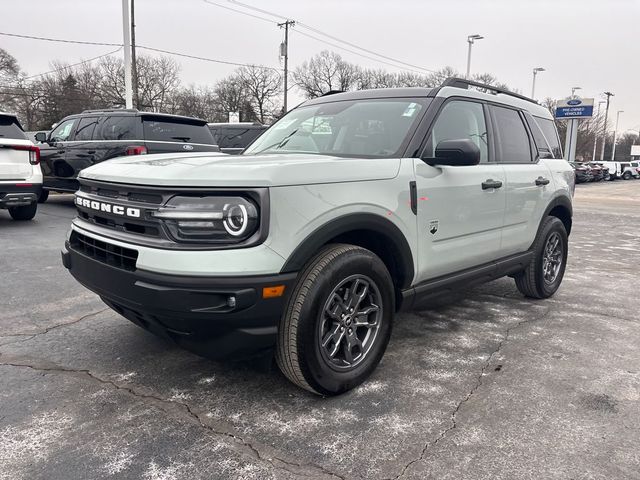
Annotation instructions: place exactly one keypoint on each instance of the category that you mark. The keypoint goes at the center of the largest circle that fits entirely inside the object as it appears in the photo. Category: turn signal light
(273, 292)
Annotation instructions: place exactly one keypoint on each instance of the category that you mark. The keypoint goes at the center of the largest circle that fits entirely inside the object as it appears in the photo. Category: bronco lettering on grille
(108, 208)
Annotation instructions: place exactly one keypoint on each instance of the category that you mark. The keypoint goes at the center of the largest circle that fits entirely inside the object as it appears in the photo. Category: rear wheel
(337, 324)
(23, 213)
(544, 274)
(44, 194)
(626, 175)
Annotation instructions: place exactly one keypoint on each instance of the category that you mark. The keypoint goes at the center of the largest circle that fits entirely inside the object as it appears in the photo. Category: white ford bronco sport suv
(351, 207)
(20, 174)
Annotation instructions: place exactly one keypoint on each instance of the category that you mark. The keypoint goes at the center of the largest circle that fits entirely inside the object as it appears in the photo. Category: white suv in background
(20, 174)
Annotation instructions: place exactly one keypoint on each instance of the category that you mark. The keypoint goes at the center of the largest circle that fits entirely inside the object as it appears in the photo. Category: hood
(219, 170)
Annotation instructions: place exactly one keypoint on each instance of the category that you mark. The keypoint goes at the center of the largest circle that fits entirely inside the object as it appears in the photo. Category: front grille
(113, 255)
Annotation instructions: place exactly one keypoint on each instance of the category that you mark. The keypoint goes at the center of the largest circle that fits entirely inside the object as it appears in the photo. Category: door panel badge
(433, 226)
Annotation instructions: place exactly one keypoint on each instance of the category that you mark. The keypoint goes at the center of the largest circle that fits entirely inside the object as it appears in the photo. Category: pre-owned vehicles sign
(574, 108)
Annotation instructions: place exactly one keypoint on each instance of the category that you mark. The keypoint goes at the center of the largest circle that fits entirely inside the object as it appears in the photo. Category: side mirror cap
(457, 153)
(41, 137)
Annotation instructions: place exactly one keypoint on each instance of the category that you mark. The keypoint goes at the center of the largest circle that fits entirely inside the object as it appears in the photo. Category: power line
(78, 42)
(354, 52)
(238, 11)
(320, 32)
(225, 62)
(73, 64)
(178, 54)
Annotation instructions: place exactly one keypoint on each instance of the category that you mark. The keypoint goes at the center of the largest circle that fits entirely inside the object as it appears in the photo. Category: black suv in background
(94, 136)
(233, 138)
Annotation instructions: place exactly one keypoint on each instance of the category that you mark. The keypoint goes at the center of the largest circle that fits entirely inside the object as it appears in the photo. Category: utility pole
(606, 116)
(128, 94)
(595, 140)
(284, 52)
(134, 64)
(615, 135)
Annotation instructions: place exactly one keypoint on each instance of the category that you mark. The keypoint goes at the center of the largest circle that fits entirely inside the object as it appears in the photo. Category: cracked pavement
(482, 384)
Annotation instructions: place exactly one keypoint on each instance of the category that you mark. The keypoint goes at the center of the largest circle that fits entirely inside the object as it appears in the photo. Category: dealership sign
(574, 108)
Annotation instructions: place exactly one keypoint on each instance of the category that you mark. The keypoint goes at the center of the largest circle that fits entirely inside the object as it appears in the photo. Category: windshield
(370, 128)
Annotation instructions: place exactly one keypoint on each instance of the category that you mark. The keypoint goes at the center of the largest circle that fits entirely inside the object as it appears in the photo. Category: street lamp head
(539, 69)
(471, 38)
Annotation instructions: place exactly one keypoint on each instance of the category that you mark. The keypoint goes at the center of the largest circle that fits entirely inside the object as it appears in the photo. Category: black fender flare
(558, 201)
(350, 223)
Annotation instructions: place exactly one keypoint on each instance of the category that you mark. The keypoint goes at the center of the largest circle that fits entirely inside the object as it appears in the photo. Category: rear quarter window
(158, 129)
(10, 129)
(548, 128)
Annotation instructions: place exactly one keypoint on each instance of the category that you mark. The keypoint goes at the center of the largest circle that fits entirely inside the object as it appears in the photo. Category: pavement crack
(44, 331)
(248, 448)
(478, 383)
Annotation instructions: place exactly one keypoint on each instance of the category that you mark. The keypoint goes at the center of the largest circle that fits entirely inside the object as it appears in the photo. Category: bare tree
(263, 86)
(325, 72)
(195, 101)
(158, 79)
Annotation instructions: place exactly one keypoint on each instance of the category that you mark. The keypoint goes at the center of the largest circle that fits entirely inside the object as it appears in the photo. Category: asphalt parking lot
(484, 384)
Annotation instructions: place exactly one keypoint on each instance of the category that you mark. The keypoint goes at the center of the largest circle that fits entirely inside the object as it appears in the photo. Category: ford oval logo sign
(187, 147)
(574, 102)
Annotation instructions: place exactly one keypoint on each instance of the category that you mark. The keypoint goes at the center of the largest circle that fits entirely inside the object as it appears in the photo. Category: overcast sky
(593, 44)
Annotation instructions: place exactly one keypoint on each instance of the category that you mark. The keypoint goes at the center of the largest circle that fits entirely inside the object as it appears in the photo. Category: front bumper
(195, 312)
(19, 195)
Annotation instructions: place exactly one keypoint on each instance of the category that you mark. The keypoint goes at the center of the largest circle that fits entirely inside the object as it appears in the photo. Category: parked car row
(598, 171)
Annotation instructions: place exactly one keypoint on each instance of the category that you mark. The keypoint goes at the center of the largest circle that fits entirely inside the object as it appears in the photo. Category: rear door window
(169, 130)
(10, 129)
(85, 128)
(118, 128)
(512, 138)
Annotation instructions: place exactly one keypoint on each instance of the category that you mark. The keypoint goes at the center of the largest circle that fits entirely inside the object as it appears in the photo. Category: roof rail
(464, 83)
(98, 110)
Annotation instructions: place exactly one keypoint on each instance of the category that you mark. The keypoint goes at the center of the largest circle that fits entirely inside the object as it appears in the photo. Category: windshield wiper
(278, 144)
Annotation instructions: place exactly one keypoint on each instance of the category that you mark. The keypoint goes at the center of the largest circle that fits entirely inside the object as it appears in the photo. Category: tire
(301, 355)
(532, 282)
(23, 213)
(44, 194)
(607, 177)
(626, 175)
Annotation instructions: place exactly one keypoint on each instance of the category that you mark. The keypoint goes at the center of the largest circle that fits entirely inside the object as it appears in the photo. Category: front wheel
(23, 213)
(626, 175)
(337, 323)
(544, 274)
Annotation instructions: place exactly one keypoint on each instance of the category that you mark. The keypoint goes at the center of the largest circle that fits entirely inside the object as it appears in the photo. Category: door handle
(490, 183)
(542, 181)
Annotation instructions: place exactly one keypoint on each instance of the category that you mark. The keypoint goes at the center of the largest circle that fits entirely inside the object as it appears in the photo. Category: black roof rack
(464, 83)
(99, 110)
(331, 92)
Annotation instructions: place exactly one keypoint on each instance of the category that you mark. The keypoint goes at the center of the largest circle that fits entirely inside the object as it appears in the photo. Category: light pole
(471, 39)
(533, 86)
(126, 31)
(595, 139)
(615, 134)
(573, 91)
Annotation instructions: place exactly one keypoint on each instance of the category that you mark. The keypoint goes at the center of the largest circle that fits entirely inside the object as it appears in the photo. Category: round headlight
(235, 219)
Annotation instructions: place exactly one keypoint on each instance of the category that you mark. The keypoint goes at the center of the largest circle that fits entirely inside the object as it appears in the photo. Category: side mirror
(457, 153)
(41, 137)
